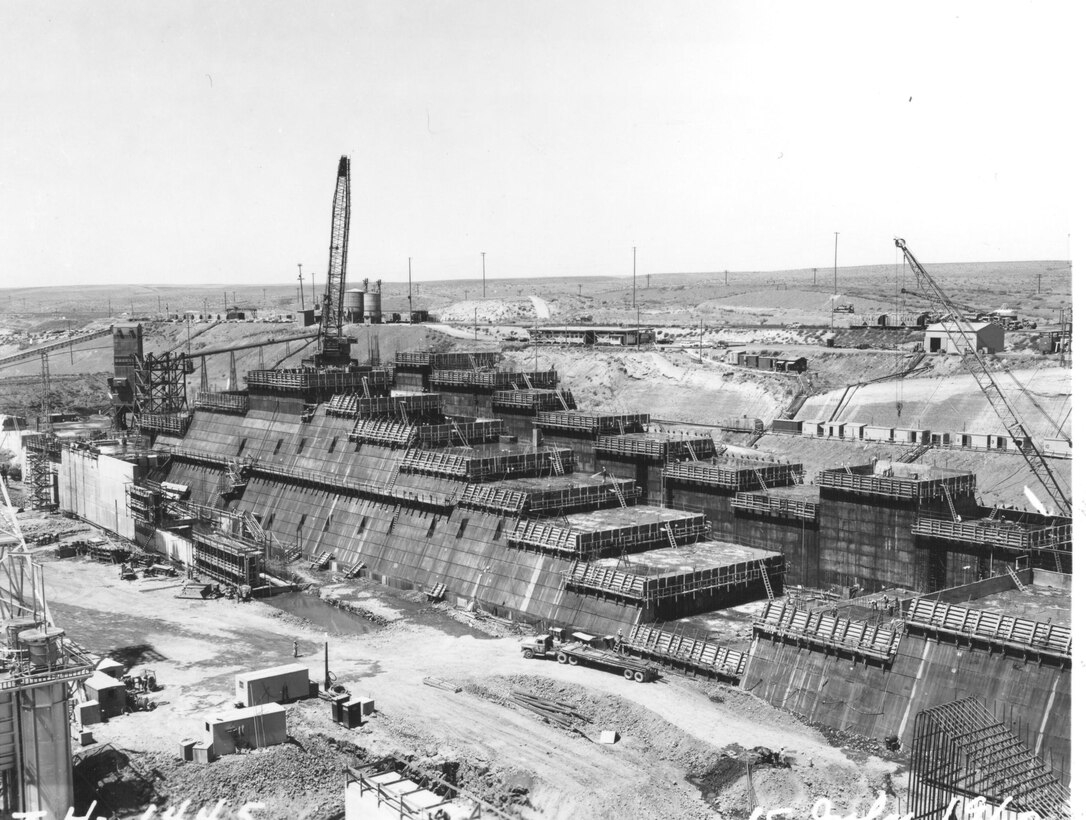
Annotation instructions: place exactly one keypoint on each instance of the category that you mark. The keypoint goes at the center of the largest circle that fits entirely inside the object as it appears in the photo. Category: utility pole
(476, 324)
(313, 283)
(301, 290)
(635, 276)
(484, 274)
(1038, 284)
(835, 235)
(410, 307)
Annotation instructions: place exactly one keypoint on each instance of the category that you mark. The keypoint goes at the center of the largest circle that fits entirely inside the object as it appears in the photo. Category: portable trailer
(576, 653)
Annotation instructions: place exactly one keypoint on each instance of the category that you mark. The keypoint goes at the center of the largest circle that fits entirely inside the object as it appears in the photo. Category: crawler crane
(957, 326)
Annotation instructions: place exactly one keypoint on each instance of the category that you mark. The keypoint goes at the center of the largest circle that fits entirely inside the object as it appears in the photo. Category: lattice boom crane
(957, 329)
(332, 347)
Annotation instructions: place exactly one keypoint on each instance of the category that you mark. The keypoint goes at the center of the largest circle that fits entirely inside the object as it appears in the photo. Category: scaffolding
(962, 623)
(385, 432)
(960, 751)
(230, 402)
(644, 585)
(352, 406)
(227, 559)
(485, 431)
(686, 652)
(160, 400)
(479, 466)
(466, 360)
(987, 532)
(612, 540)
(751, 476)
(594, 424)
(531, 401)
(782, 621)
(42, 452)
(776, 506)
(320, 384)
(850, 480)
(656, 449)
(493, 379)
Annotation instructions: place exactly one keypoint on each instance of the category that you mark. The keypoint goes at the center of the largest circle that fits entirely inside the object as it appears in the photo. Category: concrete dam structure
(887, 589)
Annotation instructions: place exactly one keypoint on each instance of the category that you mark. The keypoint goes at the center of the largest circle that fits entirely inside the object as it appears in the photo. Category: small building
(251, 728)
(277, 684)
(945, 337)
(305, 318)
(111, 667)
(108, 691)
(237, 312)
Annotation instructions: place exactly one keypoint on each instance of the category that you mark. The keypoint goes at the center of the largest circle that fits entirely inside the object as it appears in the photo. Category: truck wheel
(573, 660)
(563, 657)
(528, 653)
(627, 674)
(639, 677)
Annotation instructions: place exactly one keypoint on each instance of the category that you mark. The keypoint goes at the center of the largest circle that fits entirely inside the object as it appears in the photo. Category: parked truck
(581, 651)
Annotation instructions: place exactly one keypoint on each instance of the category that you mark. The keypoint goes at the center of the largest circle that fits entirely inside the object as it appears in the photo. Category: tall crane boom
(957, 327)
(332, 348)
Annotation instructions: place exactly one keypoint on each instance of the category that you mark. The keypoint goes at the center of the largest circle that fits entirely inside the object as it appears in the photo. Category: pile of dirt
(300, 778)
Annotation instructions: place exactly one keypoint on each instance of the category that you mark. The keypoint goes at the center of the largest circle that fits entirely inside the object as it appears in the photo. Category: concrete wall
(93, 487)
(1033, 699)
(796, 538)
(869, 539)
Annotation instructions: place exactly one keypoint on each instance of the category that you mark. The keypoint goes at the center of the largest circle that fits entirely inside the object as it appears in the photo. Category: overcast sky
(198, 142)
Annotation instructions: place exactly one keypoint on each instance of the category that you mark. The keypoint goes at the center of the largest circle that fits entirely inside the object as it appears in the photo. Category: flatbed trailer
(633, 669)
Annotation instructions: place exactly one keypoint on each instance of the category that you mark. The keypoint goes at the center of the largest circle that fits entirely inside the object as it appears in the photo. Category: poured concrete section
(1034, 602)
(673, 582)
(612, 519)
(689, 558)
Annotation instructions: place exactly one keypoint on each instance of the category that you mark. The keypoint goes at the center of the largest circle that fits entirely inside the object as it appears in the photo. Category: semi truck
(581, 651)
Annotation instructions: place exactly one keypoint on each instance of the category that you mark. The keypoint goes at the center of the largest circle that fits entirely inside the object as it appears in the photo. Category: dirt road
(673, 732)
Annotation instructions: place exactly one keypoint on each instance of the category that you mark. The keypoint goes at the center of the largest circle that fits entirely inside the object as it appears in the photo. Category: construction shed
(278, 684)
(108, 691)
(252, 728)
(984, 337)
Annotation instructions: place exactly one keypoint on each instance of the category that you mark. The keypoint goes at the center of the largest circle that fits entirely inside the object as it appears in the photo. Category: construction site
(624, 569)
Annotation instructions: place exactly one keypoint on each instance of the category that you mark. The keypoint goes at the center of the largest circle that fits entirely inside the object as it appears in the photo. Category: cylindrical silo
(371, 308)
(44, 647)
(353, 304)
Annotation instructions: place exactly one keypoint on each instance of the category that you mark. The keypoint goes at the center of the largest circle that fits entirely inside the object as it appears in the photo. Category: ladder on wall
(797, 479)
(949, 502)
(690, 449)
(618, 491)
(671, 537)
(527, 381)
(366, 388)
(1017, 581)
(395, 518)
(561, 400)
(765, 580)
(473, 363)
(761, 480)
(556, 461)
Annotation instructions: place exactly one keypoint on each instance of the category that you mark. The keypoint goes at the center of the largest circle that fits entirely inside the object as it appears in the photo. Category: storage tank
(44, 647)
(15, 627)
(371, 305)
(352, 305)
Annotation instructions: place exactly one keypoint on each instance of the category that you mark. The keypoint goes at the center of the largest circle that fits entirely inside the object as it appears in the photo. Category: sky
(198, 142)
